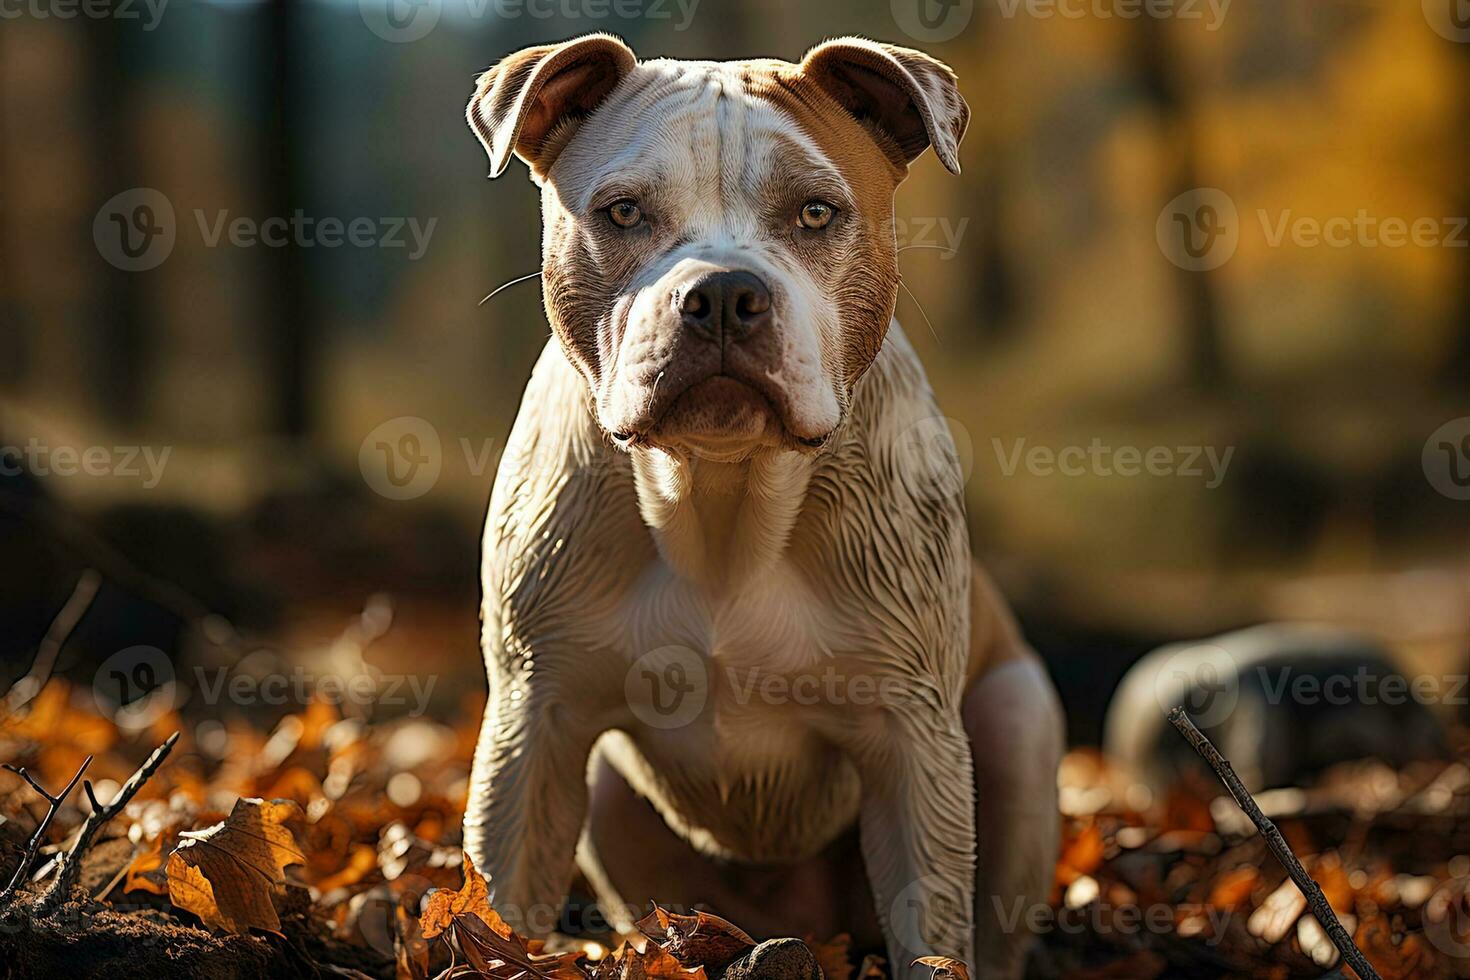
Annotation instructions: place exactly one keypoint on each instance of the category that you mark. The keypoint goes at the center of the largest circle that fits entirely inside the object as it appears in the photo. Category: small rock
(1282, 702)
(776, 959)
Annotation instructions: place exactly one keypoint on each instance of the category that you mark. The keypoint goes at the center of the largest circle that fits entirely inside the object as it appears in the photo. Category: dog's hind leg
(1014, 722)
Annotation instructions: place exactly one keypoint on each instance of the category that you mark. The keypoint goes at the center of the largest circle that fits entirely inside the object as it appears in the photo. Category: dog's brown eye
(625, 214)
(816, 214)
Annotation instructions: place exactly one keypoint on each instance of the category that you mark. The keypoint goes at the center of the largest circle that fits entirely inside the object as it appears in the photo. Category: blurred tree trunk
(1161, 85)
(292, 332)
(121, 363)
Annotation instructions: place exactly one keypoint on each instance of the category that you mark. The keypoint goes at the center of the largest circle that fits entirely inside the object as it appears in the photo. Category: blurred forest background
(1052, 312)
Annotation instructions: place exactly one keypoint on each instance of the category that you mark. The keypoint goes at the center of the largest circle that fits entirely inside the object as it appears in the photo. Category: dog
(733, 630)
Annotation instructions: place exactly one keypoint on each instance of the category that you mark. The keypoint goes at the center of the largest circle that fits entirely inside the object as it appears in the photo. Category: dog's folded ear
(521, 101)
(909, 97)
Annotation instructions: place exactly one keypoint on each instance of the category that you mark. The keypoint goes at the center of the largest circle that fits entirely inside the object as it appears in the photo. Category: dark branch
(33, 847)
(1277, 844)
(71, 861)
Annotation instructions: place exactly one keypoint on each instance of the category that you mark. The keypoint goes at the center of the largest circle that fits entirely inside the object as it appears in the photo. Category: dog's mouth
(721, 415)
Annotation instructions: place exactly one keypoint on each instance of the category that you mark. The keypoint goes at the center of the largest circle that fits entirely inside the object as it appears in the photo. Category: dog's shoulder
(563, 506)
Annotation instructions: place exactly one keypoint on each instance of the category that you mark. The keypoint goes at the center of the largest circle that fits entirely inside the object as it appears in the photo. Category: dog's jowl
(731, 622)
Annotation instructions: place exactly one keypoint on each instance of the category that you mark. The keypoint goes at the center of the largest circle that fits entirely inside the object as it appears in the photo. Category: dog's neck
(719, 524)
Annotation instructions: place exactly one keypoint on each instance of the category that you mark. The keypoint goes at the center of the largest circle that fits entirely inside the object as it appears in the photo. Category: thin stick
(71, 861)
(1277, 844)
(25, 689)
(33, 848)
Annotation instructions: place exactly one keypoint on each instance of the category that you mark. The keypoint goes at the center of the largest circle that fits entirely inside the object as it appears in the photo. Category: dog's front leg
(528, 799)
(918, 837)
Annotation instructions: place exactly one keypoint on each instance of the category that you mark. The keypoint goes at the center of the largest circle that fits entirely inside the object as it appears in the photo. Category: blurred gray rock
(1282, 702)
(776, 959)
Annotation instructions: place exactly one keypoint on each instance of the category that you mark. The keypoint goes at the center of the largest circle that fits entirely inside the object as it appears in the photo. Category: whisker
(920, 306)
(506, 285)
(937, 248)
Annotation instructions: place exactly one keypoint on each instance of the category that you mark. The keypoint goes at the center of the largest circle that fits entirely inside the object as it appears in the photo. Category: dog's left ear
(520, 101)
(910, 97)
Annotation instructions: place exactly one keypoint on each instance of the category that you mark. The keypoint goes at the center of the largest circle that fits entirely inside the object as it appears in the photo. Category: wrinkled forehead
(718, 133)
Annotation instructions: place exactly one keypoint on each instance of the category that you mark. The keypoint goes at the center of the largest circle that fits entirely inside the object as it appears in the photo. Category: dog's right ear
(520, 101)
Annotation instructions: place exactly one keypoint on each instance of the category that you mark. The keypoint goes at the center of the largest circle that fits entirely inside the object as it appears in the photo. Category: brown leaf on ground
(701, 939)
(473, 898)
(508, 956)
(410, 949)
(228, 873)
(832, 956)
(145, 872)
(944, 967)
(654, 963)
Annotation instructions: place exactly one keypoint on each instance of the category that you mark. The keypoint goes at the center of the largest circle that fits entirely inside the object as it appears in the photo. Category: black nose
(726, 305)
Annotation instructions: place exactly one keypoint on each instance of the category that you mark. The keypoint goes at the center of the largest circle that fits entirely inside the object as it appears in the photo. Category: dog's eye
(816, 215)
(624, 213)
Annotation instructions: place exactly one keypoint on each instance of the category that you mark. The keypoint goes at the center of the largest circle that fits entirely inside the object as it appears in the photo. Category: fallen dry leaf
(832, 956)
(228, 873)
(654, 963)
(701, 939)
(508, 956)
(944, 968)
(473, 898)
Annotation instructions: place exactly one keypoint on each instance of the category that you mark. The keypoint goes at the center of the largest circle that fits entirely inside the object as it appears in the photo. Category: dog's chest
(737, 708)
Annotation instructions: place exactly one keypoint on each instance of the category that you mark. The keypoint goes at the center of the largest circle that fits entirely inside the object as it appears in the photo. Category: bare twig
(33, 848)
(71, 861)
(1277, 844)
(24, 690)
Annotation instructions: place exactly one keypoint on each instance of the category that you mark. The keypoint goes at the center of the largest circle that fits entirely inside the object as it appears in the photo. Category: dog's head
(719, 258)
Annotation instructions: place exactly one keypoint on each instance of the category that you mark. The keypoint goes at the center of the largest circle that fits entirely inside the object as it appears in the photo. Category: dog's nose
(726, 305)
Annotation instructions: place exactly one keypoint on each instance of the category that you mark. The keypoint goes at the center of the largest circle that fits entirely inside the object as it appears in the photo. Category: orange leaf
(832, 956)
(472, 899)
(654, 963)
(141, 874)
(1233, 888)
(228, 873)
